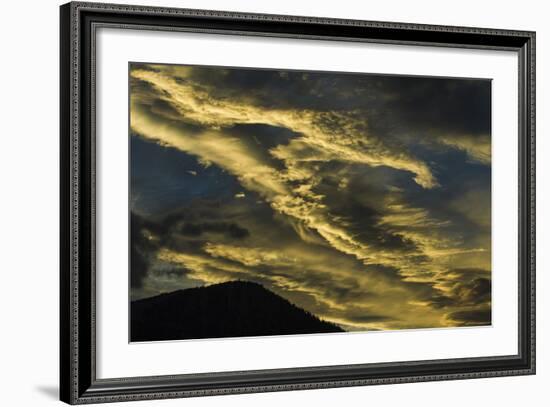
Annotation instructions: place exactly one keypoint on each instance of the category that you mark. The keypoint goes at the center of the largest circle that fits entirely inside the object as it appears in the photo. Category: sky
(364, 199)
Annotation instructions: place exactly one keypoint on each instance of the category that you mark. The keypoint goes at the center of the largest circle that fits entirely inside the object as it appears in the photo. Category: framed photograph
(255, 203)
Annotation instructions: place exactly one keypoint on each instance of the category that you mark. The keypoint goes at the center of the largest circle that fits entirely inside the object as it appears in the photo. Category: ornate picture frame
(79, 383)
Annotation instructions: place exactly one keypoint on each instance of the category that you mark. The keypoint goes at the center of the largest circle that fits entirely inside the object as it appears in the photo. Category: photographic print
(275, 202)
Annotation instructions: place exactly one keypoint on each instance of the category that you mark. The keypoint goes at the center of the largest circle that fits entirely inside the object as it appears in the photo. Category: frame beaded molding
(75, 196)
(75, 176)
(290, 18)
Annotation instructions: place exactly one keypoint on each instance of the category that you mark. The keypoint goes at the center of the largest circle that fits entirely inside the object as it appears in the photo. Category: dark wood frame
(78, 382)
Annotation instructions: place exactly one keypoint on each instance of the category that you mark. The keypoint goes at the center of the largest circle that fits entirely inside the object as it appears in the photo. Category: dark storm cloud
(164, 108)
(477, 291)
(435, 111)
(364, 199)
(420, 103)
(186, 228)
(138, 266)
(467, 287)
(353, 205)
(472, 318)
(458, 105)
(176, 231)
(141, 250)
(229, 229)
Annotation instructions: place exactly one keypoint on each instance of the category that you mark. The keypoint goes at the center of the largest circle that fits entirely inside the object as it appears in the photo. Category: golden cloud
(404, 299)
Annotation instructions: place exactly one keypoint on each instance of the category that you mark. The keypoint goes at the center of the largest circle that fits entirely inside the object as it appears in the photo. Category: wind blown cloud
(371, 234)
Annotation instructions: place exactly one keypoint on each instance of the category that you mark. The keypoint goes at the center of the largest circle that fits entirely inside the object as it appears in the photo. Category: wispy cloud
(361, 250)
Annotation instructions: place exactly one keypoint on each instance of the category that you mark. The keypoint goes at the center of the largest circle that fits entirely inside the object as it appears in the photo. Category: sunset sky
(363, 199)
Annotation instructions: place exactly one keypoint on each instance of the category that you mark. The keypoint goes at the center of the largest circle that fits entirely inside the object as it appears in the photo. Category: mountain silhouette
(232, 309)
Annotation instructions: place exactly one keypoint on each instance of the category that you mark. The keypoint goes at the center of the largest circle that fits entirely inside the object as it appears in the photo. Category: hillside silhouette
(232, 309)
